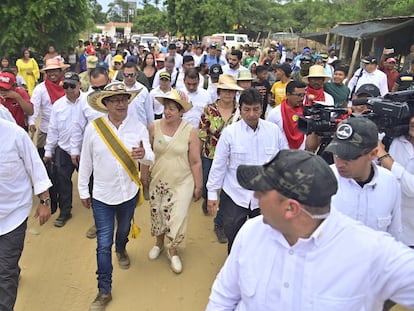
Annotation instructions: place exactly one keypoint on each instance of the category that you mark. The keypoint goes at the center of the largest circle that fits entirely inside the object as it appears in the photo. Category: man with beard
(234, 67)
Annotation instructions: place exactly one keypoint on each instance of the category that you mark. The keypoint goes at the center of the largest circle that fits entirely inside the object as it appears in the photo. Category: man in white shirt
(20, 168)
(114, 193)
(248, 141)
(369, 74)
(58, 146)
(163, 89)
(198, 96)
(302, 255)
(234, 67)
(172, 51)
(141, 107)
(366, 192)
(188, 63)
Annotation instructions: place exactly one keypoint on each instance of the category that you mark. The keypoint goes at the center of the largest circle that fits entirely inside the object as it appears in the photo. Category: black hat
(370, 89)
(354, 137)
(369, 60)
(296, 174)
(71, 78)
(215, 70)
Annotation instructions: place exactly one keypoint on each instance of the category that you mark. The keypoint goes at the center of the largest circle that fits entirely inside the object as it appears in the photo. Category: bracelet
(387, 155)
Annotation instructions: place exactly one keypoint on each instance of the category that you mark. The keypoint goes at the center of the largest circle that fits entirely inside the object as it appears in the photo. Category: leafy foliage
(37, 24)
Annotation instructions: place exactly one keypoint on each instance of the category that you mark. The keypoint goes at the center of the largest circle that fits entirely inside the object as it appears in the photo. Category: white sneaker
(155, 252)
(176, 264)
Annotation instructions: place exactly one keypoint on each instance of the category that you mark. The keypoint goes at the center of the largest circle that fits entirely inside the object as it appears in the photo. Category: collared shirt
(141, 106)
(20, 166)
(275, 116)
(85, 114)
(231, 71)
(41, 102)
(342, 266)
(402, 151)
(112, 184)
(240, 144)
(64, 113)
(5, 114)
(180, 81)
(377, 77)
(158, 107)
(377, 204)
(199, 99)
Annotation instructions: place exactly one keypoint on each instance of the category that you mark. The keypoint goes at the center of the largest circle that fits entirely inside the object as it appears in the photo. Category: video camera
(390, 113)
(321, 119)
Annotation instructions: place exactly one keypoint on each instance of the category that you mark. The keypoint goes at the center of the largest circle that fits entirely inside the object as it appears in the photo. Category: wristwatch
(45, 201)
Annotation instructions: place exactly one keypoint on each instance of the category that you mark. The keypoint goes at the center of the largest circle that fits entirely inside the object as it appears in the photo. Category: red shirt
(392, 76)
(14, 107)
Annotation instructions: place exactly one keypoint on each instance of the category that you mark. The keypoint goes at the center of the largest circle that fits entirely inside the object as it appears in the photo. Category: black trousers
(64, 172)
(234, 216)
(11, 247)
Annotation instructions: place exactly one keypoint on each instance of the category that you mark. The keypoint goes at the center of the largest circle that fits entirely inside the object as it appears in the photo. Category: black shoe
(62, 220)
(221, 237)
(204, 207)
(100, 302)
(123, 260)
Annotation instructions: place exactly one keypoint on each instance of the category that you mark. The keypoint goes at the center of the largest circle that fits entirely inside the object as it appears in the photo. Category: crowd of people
(173, 125)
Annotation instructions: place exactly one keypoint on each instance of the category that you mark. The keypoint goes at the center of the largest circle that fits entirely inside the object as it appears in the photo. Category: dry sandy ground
(58, 267)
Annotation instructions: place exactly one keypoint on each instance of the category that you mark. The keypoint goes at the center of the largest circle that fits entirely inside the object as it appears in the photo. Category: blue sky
(104, 4)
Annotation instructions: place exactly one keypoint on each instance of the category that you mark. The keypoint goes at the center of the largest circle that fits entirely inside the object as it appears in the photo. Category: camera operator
(366, 90)
(400, 161)
(366, 192)
(405, 80)
(286, 114)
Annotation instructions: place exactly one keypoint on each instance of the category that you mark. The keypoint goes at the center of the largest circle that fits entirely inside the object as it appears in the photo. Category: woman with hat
(176, 176)
(215, 117)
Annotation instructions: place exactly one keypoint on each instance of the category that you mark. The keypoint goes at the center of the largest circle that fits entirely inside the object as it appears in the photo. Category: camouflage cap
(296, 174)
(354, 137)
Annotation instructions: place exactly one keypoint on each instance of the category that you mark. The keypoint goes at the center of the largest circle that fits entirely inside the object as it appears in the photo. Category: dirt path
(58, 267)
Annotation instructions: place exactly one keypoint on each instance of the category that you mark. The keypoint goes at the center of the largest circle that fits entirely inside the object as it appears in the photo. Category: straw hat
(244, 75)
(316, 71)
(227, 82)
(54, 63)
(177, 96)
(115, 88)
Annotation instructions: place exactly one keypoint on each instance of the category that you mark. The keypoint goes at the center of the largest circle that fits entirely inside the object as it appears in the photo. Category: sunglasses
(68, 85)
(98, 88)
(129, 75)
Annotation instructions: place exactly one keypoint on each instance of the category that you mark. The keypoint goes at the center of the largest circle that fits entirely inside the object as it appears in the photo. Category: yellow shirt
(279, 91)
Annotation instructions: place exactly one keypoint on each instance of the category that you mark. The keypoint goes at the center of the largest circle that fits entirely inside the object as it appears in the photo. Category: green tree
(36, 24)
(150, 20)
(98, 16)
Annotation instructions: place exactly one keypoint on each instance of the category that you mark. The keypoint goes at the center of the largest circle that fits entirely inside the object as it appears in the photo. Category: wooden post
(341, 50)
(353, 60)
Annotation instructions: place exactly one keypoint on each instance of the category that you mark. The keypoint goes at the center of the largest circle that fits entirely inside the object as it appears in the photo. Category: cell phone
(389, 51)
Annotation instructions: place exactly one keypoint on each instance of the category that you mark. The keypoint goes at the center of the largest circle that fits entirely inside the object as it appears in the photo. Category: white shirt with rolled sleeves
(62, 119)
(20, 166)
(275, 116)
(342, 266)
(41, 102)
(141, 106)
(112, 184)
(377, 77)
(239, 144)
(199, 99)
(402, 151)
(85, 115)
(377, 204)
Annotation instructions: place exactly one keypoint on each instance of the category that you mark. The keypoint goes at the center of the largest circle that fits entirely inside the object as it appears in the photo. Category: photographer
(405, 80)
(400, 161)
(366, 90)
(366, 192)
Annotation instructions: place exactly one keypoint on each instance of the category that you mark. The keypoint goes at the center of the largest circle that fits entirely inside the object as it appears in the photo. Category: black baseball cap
(354, 137)
(370, 89)
(296, 174)
(71, 78)
(215, 70)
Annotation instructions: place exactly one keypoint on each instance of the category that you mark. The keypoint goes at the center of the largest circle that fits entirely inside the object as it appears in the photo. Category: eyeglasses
(98, 88)
(299, 94)
(129, 75)
(120, 100)
(68, 85)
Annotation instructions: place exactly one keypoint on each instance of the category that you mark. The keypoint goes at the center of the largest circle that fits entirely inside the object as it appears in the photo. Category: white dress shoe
(155, 252)
(176, 264)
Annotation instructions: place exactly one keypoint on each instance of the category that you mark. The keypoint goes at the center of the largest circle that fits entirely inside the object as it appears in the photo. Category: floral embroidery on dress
(161, 200)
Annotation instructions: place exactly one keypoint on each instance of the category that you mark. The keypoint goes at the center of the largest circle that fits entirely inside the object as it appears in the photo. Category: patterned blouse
(211, 126)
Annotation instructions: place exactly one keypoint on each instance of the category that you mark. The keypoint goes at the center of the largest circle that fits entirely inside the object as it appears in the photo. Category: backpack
(205, 58)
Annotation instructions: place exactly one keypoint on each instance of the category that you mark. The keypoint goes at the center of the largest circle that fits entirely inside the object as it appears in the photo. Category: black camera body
(391, 113)
(321, 119)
